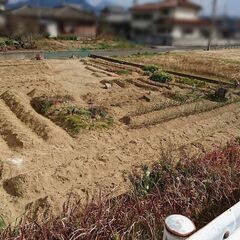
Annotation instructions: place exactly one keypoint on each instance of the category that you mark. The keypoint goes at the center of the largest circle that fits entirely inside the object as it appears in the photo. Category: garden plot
(64, 120)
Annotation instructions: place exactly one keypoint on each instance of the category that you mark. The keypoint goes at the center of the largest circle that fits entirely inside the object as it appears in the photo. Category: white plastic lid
(179, 225)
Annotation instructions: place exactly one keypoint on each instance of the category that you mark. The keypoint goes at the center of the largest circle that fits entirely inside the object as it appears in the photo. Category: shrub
(161, 76)
(150, 69)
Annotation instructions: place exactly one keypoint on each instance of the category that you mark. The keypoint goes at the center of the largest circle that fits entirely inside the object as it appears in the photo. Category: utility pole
(212, 28)
(135, 3)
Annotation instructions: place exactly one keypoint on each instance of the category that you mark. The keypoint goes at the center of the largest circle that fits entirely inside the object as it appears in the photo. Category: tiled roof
(166, 4)
(62, 12)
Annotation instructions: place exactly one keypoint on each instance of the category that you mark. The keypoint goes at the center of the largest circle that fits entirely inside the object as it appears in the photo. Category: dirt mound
(23, 185)
(21, 107)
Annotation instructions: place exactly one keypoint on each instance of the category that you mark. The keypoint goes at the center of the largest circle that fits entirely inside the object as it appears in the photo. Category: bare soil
(40, 163)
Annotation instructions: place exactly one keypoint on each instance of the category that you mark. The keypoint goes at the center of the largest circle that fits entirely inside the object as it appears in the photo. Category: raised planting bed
(64, 112)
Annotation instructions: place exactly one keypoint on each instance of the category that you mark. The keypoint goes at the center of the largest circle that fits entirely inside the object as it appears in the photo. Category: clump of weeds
(150, 69)
(192, 82)
(161, 77)
(122, 72)
(63, 112)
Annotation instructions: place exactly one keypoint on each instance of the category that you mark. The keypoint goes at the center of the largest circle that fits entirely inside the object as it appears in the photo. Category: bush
(150, 69)
(160, 76)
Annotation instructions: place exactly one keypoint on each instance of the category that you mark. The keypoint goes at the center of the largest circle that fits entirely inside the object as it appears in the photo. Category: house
(228, 27)
(3, 4)
(2, 16)
(64, 19)
(115, 20)
(168, 22)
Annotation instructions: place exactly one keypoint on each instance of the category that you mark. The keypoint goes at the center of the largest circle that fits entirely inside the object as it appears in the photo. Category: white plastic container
(178, 227)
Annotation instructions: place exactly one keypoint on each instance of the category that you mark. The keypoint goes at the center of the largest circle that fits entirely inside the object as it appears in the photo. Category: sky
(232, 7)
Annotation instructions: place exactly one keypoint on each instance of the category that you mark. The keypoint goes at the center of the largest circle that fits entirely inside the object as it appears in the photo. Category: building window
(165, 12)
(188, 31)
(164, 30)
(144, 16)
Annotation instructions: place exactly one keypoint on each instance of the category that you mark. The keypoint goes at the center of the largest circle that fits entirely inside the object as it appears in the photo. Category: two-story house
(168, 22)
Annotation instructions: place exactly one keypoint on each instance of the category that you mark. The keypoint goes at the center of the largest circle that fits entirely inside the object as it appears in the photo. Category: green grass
(161, 76)
(122, 72)
(192, 82)
(144, 54)
(62, 111)
(116, 44)
(149, 69)
(178, 97)
(2, 224)
(82, 119)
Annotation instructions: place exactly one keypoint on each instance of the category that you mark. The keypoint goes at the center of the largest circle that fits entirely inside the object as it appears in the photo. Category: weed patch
(192, 82)
(122, 72)
(161, 76)
(182, 98)
(2, 223)
(63, 112)
(150, 69)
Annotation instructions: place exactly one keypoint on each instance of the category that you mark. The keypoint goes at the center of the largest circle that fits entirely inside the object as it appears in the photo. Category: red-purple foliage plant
(200, 188)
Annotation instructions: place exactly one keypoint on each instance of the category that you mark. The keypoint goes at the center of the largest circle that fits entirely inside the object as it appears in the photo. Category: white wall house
(168, 22)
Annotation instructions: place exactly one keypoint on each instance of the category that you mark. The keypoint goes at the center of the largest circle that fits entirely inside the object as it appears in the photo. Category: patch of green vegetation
(122, 72)
(143, 54)
(150, 69)
(61, 110)
(44, 104)
(103, 46)
(178, 97)
(116, 44)
(192, 82)
(18, 42)
(161, 76)
(2, 224)
(74, 119)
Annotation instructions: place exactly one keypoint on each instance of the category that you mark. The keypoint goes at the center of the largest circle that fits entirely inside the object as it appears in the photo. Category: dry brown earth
(40, 163)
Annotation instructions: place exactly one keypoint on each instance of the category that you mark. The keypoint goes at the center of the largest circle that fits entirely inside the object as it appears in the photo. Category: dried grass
(200, 188)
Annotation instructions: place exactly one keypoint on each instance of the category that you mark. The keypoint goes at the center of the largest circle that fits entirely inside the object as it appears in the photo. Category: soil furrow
(41, 126)
(168, 114)
(13, 131)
